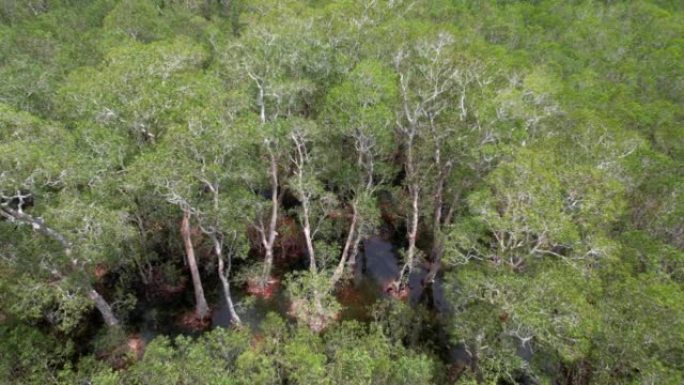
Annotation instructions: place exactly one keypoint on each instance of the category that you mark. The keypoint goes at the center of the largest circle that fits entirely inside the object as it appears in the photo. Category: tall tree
(427, 77)
(359, 113)
(37, 192)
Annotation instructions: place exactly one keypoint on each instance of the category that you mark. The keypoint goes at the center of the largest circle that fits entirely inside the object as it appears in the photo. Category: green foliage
(145, 87)
(137, 19)
(34, 355)
(540, 140)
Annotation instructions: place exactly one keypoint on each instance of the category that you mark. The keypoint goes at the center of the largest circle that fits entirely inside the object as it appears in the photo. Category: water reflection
(378, 265)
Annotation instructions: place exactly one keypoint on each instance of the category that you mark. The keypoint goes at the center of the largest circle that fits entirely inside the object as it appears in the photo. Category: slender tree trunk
(452, 208)
(300, 162)
(439, 202)
(39, 225)
(413, 227)
(355, 251)
(308, 238)
(312, 256)
(268, 239)
(414, 192)
(104, 308)
(223, 273)
(348, 247)
(438, 241)
(435, 264)
(268, 266)
(201, 306)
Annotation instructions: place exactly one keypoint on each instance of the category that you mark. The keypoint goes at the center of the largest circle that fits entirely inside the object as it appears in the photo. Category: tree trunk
(223, 273)
(300, 160)
(103, 307)
(412, 234)
(414, 191)
(355, 251)
(348, 247)
(201, 307)
(475, 359)
(308, 238)
(452, 208)
(38, 225)
(268, 240)
(437, 242)
(435, 263)
(312, 258)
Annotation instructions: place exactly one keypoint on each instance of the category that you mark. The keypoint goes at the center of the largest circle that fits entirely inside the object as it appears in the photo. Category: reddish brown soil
(289, 244)
(125, 354)
(257, 340)
(136, 345)
(189, 321)
(101, 270)
(394, 290)
(348, 295)
(267, 291)
(316, 322)
(159, 286)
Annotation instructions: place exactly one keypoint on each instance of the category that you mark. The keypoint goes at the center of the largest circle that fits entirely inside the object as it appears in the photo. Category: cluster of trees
(530, 153)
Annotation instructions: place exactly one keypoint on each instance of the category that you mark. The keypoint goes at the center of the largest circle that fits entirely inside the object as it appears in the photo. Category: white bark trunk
(348, 247)
(104, 308)
(223, 273)
(268, 239)
(201, 306)
(38, 225)
(412, 230)
(308, 238)
(300, 161)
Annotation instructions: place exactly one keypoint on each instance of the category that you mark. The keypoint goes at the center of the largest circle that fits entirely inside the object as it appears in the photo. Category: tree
(359, 112)
(316, 204)
(427, 76)
(203, 169)
(37, 193)
(281, 77)
(138, 90)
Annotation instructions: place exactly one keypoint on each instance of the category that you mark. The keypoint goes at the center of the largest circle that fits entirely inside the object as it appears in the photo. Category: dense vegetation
(526, 159)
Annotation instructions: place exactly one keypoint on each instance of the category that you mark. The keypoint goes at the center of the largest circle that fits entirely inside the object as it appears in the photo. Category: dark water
(160, 319)
(382, 265)
(377, 266)
(252, 310)
(379, 261)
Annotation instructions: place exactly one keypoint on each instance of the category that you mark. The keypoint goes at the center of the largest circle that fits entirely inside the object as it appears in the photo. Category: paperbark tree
(313, 214)
(40, 163)
(427, 78)
(17, 215)
(281, 90)
(201, 306)
(359, 111)
(216, 230)
(205, 168)
(224, 274)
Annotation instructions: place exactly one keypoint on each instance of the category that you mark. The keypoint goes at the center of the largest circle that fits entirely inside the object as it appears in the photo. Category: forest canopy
(341, 192)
